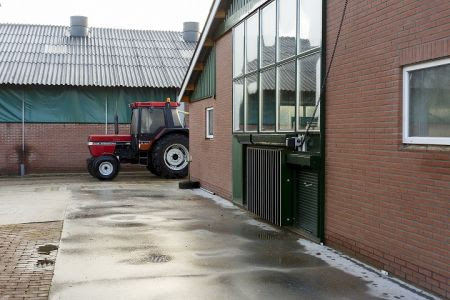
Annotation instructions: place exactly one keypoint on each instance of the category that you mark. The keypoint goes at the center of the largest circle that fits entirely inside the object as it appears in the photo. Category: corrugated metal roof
(47, 55)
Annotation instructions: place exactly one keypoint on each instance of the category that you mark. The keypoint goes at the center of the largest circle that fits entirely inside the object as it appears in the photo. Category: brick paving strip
(27, 258)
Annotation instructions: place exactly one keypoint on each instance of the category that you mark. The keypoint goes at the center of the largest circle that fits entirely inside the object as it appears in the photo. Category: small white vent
(56, 49)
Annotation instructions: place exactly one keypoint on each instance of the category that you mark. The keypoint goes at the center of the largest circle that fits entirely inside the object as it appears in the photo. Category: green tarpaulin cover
(45, 104)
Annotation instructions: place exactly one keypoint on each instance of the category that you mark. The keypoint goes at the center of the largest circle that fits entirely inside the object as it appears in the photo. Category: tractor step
(143, 158)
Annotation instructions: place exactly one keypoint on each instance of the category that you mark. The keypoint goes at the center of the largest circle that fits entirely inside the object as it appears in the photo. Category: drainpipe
(106, 115)
(22, 163)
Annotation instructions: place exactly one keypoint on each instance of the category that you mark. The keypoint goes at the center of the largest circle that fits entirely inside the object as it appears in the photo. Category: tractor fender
(167, 131)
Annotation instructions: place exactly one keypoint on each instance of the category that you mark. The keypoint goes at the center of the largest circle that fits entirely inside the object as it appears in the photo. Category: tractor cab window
(176, 118)
(151, 120)
(134, 121)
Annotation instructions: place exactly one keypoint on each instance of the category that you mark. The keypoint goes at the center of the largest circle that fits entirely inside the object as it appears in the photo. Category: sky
(127, 14)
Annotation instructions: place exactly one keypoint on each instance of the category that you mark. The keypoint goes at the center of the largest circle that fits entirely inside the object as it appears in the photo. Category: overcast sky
(130, 14)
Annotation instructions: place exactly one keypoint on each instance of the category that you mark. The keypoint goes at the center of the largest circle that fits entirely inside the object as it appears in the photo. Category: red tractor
(157, 140)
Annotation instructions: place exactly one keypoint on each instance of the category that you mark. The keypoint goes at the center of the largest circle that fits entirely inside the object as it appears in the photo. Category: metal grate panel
(263, 183)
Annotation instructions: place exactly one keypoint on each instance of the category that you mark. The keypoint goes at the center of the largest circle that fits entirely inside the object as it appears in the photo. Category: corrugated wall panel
(206, 84)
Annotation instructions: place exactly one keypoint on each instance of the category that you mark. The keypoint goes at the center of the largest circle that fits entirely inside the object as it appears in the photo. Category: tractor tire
(170, 156)
(90, 166)
(150, 166)
(105, 167)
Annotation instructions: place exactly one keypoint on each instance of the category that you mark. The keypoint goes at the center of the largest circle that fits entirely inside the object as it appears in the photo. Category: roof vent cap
(191, 32)
(78, 26)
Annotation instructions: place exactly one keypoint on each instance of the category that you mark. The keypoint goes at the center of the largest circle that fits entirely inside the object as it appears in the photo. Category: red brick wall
(211, 158)
(386, 203)
(48, 147)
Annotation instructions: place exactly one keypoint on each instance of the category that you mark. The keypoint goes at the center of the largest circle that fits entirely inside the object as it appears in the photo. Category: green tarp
(45, 104)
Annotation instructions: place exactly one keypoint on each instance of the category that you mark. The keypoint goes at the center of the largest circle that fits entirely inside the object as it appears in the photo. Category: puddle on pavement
(92, 215)
(46, 249)
(127, 224)
(149, 258)
(45, 262)
(271, 236)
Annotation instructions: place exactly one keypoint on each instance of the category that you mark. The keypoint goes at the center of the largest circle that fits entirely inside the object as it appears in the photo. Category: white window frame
(419, 140)
(209, 136)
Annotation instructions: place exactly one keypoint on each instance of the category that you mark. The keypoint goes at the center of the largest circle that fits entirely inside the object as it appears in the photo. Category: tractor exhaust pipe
(116, 124)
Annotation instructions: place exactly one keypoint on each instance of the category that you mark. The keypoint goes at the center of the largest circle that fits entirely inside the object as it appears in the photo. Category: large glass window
(268, 34)
(252, 102)
(309, 87)
(287, 28)
(268, 100)
(238, 105)
(276, 58)
(238, 50)
(252, 43)
(310, 20)
(287, 96)
(426, 96)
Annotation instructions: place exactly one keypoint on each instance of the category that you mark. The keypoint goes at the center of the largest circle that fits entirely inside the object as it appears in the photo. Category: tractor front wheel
(170, 156)
(105, 167)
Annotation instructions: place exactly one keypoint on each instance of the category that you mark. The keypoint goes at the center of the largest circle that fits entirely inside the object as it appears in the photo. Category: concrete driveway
(140, 237)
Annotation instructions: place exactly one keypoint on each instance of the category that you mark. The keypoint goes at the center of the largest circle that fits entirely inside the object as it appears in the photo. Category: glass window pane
(310, 24)
(176, 118)
(209, 122)
(252, 42)
(152, 120)
(134, 121)
(268, 34)
(287, 28)
(268, 103)
(429, 102)
(287, 96)
(238, 50)
(252, 98)
(309, 88)
(238, 105)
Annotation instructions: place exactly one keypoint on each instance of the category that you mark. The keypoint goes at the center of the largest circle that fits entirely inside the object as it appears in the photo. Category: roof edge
(91, 27)
(198, 48)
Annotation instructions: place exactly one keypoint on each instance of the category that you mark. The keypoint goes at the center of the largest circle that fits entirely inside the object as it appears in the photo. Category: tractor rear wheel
(170, 156)
(151, 168)
(105, 167)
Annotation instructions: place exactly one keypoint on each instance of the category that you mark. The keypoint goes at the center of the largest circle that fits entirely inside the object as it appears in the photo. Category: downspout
(322, 126)
(22, 163)
(106, 115)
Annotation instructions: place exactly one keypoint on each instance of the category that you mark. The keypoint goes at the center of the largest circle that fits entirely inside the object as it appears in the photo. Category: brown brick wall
(211, 159)
(386, 203)
(48, 147)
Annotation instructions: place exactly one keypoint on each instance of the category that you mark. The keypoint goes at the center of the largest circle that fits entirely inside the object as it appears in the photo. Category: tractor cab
(150, 118)
(157, 140)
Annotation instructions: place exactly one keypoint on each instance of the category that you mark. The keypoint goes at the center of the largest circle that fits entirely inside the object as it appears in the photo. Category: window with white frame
(426, 103)
(209, 122)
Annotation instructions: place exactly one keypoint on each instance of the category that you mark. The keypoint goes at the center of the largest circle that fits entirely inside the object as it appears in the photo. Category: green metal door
(306, 199)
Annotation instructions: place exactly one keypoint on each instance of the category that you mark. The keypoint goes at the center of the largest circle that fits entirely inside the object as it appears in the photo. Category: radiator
(263, 183)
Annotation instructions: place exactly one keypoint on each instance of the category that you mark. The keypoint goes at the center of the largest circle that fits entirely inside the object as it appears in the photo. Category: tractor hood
(111, 138)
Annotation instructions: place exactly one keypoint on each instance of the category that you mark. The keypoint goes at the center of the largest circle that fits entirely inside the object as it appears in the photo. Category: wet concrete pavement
(140, 237)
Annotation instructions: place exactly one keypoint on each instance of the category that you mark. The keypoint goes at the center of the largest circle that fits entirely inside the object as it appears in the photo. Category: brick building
(58, 84)
(373, 178)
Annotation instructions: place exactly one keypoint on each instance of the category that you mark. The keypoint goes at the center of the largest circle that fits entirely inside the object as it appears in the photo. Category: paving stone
(22, 277)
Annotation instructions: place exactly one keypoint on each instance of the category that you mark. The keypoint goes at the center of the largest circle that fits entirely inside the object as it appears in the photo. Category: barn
(58, 84)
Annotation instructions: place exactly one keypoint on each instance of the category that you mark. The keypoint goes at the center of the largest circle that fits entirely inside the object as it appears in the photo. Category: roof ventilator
(191, 32)
(79, 26)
